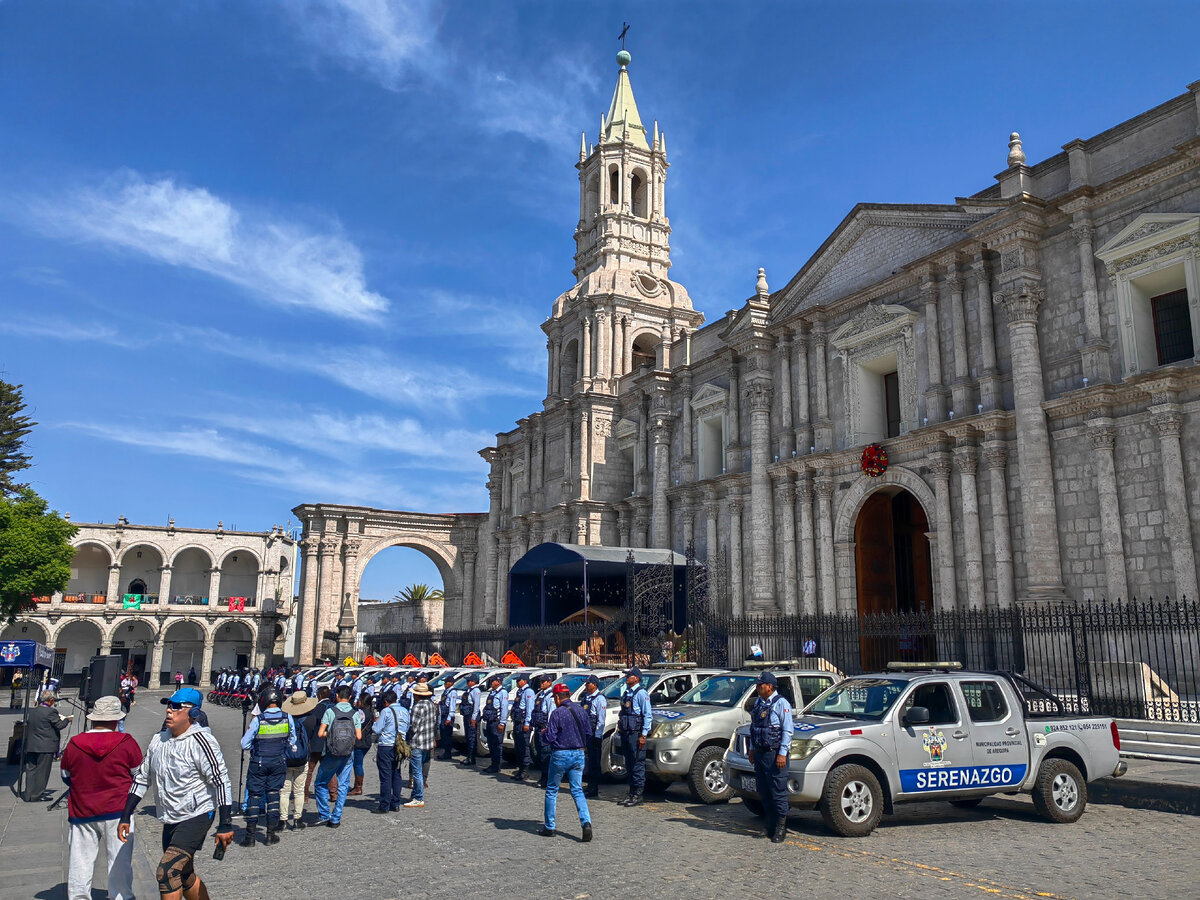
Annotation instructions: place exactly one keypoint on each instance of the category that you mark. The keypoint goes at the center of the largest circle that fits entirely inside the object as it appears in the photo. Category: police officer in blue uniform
(543, 704)
(446, 707)
(771, 729)
(595, 704)
(469, 706)
(267, 740)
(495, 717)
(633, 724)
(522, 725)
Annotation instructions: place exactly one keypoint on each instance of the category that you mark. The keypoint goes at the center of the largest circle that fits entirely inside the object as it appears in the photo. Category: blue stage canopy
(24, 655)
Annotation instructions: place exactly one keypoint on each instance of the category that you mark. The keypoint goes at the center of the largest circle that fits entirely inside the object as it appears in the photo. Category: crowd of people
(306, 747)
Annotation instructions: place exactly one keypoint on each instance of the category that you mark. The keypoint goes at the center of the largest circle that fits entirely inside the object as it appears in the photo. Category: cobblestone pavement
(476, 827)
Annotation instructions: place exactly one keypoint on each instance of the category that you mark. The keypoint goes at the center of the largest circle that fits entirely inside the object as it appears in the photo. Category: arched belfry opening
(637, 193)
(643, 353)
(614, 187)
(892, 554)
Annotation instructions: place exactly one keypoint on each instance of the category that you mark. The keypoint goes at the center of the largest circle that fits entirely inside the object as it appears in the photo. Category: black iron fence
(1135, 659)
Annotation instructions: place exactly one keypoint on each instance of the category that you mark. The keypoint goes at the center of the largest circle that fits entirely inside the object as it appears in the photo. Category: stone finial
(67, 517)
(760, 286)
(221, 525)
(1016, 155)
(582, 146)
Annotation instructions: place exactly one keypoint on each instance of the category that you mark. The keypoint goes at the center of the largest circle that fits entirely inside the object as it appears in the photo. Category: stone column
(585, 454)
(164, 585)
(961, 386)
(733, 445)
(1104, 438)
(786, 436)
(499, 614)
(996, 458)
(1039, 518)
(989, 373)
(808, 547)
(206, 660)
(939, 469)
(824, 490)
(485, 607)
(804, 432)
(350, 548)
(712, 511)
(967, 458)
(306, 620)
(614, 329)
(687, 430)
(468, 592)
(624, 526)
(823, 432)
(687, 513)
(785, 503)
(640, 451)
(762, 531)
(328, 583)
(626, 347)
(1168, 422)
(154, 676)
(112, 593)
(641, 524)
(551, 353)
(603, 343)
(660, 510)
(214, 588)
(934, 393)
(1096, 361)
(737, 604)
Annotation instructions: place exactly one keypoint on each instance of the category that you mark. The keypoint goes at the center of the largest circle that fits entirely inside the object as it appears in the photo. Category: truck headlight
(803, 748)
(668, 729)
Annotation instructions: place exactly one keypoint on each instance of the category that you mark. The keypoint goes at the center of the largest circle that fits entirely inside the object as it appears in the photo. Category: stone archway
(24, 630)
(339, 541)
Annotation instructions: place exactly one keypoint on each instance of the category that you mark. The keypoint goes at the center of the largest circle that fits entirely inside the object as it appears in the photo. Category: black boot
(518, 775)
(635, 800)
(272, 832)
(248, 839)
(780, 832)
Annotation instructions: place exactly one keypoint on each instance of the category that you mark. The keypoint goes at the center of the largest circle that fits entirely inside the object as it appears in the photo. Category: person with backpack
(299, 706)
(341, 727)
(267, 739)
(316, 745)
(363, 744)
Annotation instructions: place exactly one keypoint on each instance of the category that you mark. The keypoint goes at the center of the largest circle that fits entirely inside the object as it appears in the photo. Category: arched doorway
(134, 642)
(183, 649)
(893, 571)
(385, 590)
(233, 646)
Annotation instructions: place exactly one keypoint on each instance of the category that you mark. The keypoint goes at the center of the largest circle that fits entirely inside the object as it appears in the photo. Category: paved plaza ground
(476, 838)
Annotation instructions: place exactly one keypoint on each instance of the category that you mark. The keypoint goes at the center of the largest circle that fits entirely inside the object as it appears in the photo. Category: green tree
(14, 427)
(415, 593)
(35, 551)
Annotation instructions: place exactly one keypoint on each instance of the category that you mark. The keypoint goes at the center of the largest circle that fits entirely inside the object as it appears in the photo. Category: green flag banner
(133, 601)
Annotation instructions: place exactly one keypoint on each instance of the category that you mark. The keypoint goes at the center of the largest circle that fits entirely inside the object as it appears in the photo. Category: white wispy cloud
(277, 261)
(60, 329)
(395, 43)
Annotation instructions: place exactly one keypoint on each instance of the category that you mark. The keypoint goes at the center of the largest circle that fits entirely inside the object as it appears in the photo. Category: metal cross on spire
(621, 37)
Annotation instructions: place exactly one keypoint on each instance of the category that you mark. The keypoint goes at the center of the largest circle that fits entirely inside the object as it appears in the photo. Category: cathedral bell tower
(624, 311)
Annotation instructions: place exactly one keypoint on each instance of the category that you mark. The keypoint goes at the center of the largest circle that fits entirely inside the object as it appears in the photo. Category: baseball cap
(561, 689)
(592, 679)
(185, 695)
(767, 678)
(634, 671)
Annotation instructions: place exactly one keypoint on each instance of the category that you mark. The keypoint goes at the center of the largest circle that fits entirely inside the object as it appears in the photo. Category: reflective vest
(270, 741)
(630, 720)
(765, 732)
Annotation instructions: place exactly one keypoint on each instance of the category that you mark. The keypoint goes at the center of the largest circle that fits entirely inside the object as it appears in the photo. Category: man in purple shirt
(565, 737)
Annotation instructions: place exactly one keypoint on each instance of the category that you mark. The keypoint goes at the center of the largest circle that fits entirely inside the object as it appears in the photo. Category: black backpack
(340, 739)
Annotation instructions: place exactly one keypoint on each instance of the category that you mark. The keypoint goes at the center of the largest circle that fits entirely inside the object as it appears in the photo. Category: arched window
(614, 187)
(637, 189)
(591, 200)
(644, 350)
(569, 365)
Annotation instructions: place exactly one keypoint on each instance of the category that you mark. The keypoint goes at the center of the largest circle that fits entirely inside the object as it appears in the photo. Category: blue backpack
(297, 746)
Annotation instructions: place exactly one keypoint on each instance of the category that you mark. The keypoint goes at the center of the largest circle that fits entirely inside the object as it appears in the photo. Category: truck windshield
(719, 690)
(858, 698)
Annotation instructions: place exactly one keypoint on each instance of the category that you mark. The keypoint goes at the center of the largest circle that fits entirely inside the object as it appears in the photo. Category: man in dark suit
(41, 744)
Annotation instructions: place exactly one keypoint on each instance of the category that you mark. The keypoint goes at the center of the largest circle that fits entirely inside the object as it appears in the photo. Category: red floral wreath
(874, 460)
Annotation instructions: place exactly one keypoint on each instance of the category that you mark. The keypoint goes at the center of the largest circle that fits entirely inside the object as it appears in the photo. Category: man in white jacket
(192, 783)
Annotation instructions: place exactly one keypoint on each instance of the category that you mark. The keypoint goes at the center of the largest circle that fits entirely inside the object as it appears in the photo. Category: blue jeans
(416, 765)
(330, 766)
(569, 763)
(391, 782)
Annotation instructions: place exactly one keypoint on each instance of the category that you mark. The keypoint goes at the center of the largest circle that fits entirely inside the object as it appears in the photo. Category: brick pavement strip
(464, 842)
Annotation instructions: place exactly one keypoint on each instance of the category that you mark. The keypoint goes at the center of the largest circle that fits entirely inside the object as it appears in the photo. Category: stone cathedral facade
(1025, 355)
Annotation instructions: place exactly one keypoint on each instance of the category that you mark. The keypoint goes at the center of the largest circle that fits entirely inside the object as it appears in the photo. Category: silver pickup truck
(873, 741)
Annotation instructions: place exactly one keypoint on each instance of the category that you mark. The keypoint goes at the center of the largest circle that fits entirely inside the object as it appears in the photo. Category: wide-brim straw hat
(299, 703)
(422, 690)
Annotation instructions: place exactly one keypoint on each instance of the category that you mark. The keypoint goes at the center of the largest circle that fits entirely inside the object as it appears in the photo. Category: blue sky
(258, 254)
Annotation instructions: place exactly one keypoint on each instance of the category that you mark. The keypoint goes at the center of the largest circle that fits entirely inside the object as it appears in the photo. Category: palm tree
(416, 593)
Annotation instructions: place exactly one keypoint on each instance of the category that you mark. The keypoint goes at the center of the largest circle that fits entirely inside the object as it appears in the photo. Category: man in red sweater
(98, 766)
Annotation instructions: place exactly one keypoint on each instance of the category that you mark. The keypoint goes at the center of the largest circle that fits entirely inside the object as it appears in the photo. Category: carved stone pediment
(626, 432)
(709, 399)
(871, 323)
(1149, 236)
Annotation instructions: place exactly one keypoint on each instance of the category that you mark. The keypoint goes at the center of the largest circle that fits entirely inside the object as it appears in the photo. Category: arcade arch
(183, 647)
(23, 630)
(233, 645)
(141, 570)
(239, 576)
(191, 569)
(644, 350)
(89, 569)
(133, 640)
(78, 641)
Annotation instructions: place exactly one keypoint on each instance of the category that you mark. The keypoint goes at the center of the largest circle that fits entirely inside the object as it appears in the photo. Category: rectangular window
(891, 400)
(985, 701)
(1172, 327)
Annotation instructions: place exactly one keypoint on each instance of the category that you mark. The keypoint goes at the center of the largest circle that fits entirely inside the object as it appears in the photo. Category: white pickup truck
(934, 733)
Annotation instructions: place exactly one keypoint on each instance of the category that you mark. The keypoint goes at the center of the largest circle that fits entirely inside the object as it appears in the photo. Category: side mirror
(918, 715)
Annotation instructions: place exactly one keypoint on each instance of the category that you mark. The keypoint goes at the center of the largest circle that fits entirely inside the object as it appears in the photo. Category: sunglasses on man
(178, 706)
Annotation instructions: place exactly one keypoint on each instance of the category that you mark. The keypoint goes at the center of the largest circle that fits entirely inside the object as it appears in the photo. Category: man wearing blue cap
(633, 724)
(771, 730)
(595, 704)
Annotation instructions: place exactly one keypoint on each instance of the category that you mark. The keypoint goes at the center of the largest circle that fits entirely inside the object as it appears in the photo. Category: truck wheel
(1060, 793)
(967, 802)
(754, 806)
(852, 802)
(610, 766)
(706, 777)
